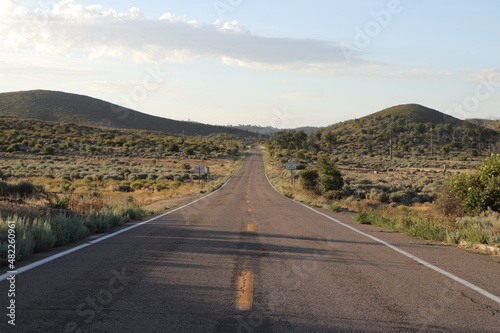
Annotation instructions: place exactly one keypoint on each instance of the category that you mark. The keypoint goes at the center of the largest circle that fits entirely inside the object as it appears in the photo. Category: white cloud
(485, 75)
(73, 30)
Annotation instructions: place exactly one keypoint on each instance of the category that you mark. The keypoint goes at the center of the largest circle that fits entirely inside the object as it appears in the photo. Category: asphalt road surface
(247, 259)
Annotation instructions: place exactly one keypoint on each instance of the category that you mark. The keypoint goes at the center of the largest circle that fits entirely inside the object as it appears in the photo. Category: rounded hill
(83, 110)
(414, 113)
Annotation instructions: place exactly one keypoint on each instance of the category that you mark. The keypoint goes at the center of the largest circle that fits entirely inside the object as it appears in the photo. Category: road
(247, 259)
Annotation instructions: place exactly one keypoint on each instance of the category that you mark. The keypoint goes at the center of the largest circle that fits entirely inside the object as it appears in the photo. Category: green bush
(478, 191)
(48, 150)
(365, 218)
(123, 188)
(330, 178)
(175, 184)
(308, 179)
(335, 209)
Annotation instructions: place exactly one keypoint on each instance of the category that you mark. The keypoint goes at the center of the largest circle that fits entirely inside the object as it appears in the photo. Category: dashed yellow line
(249, 210)
(244, 298)
(251, 227)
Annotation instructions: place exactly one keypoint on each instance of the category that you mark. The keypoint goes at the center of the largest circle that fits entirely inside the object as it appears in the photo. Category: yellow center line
(249, 210)
(251, 227)
(244, 298)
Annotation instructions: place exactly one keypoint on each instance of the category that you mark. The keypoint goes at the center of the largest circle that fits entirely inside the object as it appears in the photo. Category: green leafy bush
(479, 191)
(308, 179)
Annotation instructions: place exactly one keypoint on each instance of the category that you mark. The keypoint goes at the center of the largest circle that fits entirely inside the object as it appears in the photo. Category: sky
(276, 63)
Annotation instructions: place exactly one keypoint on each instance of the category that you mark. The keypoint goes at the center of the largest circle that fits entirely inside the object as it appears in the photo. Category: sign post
(199, 170)
(291, 166)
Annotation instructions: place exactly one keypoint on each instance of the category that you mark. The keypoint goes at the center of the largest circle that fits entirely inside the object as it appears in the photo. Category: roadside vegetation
(61, 182)
(446, 193)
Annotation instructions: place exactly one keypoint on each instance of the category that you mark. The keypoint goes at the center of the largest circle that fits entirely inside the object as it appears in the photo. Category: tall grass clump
(25, 243)
(68, 229)
(97, 222)
(484, 229)
(43, 235)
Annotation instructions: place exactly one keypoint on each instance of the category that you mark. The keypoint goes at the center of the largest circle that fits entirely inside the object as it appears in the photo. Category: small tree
(173, 147)
(308, 179)
(479, 191)
(48, 150)
(188, 151)
(330, 178)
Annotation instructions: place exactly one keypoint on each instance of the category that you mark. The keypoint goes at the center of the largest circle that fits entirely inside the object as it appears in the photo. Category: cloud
(70, 28)
(490, 75)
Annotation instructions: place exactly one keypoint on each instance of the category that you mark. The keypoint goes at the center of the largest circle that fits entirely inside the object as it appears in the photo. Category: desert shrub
(43, 235)
(490, 167)
(123, 188)
(453, 237)
(378, 195)
(48, 150)
(484, 228)
(56, 201)
(334, 208)
(111, 216)
(417, 228)
(479, 191)
(333, 195)
(137, 185)
(81, 204)
(23, 189)
(173, 147)
(188, 151)
(308, 179)
(449, 204)
(68, 229)
(97, 222)
(365, 218)
(175, 184)
(130, 213)
(25, 244)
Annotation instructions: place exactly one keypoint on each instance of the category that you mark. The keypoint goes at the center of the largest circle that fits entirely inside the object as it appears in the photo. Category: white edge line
(409, 255)
(82, 246)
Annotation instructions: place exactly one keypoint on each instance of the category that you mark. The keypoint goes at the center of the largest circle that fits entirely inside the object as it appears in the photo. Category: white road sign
(291, 165)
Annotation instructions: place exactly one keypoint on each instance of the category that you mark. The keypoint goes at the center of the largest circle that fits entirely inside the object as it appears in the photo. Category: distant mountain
(84, 110)
(269, 130)
(412, 129)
